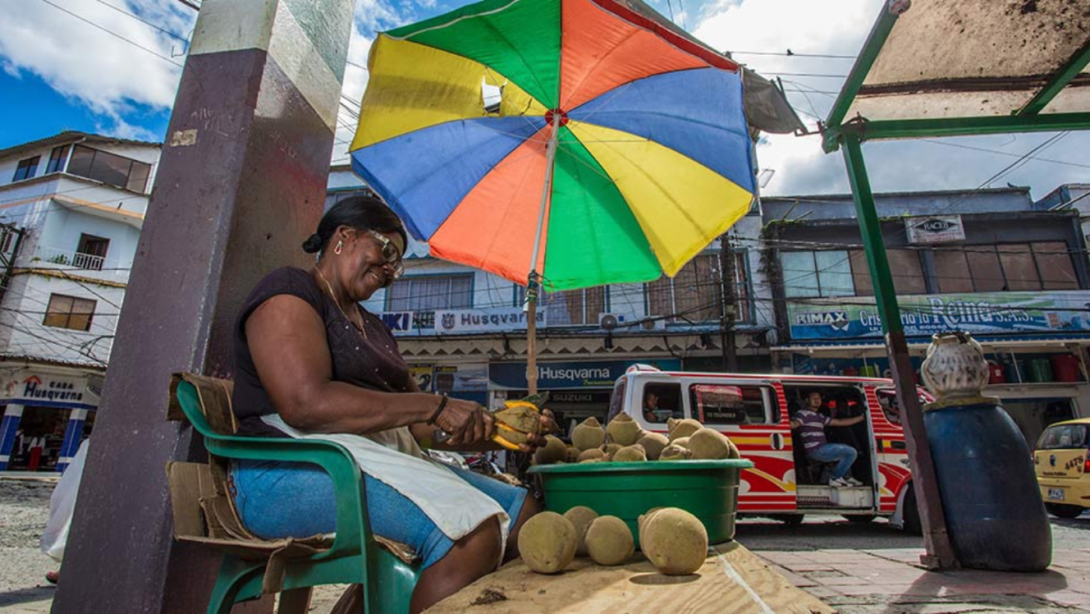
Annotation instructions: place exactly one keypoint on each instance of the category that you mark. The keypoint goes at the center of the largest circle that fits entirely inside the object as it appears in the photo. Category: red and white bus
(754, 411)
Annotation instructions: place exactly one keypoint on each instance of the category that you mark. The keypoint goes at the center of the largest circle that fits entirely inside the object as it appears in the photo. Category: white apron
(394, 458)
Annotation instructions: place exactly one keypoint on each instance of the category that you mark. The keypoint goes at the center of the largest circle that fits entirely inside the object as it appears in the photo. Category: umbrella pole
(532, 285)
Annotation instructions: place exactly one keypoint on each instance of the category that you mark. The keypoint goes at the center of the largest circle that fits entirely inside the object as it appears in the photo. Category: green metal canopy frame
(936, 68)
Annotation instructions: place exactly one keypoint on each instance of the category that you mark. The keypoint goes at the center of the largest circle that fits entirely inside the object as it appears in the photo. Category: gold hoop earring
(340, 247)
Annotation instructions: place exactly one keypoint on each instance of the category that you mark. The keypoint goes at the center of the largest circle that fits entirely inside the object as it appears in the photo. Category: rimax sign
(995, 313)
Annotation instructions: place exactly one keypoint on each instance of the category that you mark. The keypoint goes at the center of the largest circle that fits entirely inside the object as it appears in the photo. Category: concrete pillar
(8, 425)
(241, 183)
(73, 433)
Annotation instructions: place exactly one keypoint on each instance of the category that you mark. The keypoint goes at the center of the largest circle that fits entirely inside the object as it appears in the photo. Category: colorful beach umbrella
(577, 139)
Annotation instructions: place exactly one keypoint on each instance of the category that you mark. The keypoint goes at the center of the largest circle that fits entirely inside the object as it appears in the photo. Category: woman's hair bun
(313, 244)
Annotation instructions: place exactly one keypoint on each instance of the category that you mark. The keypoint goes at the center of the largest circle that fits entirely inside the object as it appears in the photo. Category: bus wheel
(1064, 511)
(861, 518)
(791, 520)
(912, 523)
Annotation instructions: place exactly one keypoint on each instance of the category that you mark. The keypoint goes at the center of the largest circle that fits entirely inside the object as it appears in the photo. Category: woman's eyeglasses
(390, 254)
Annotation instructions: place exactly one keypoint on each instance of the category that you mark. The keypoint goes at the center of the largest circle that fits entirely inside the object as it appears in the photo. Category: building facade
(71, 210)
(990, 262)
(463, 331)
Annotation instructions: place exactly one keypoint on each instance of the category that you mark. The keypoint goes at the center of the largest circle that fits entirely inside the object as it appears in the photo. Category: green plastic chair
(354, 556)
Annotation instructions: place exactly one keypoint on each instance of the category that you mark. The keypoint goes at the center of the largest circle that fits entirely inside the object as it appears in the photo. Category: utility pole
(12, 236)
(729, 311)
(241, 183)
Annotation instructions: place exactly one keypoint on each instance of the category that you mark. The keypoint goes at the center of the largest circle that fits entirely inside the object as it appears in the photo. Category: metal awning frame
(1026, 119)
(849, 135)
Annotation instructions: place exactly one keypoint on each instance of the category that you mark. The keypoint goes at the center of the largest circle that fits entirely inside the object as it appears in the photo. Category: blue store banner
(559, 375)
(994, 313)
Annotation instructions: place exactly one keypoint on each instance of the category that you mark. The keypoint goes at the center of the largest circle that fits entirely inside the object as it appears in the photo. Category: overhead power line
(113, 34)
(792, 54)
(144, 21)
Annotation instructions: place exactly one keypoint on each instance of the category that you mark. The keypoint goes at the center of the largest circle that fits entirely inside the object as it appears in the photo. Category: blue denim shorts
(276, 500)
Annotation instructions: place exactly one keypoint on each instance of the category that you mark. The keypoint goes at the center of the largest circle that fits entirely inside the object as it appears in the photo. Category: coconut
(571, 455)
(681, 441)
(630, 454)
(675, 541)
(520, 416)
(609, 541)
(623, 430)
(547, 542)
(674, 452)
(682, 428)
(653, 443)
(588, 434)
(734, 452)
(592, 454)
(641, 521)
(610, 449)
(709, 444)
(553, 451)
(581, 517)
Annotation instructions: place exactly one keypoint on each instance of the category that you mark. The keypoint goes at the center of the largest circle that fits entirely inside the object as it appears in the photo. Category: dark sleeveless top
(373, 363)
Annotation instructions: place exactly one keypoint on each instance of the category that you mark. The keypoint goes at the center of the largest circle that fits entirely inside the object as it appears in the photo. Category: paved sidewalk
(892, 581)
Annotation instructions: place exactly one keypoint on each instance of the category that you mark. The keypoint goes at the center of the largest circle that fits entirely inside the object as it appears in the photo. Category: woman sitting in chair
(310, 361)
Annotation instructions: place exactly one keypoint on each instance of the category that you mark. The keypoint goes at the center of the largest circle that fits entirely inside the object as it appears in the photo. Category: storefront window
(1011, 266)
(428, 293)
(693, 295)
(817, 274)
(69, 312)
(571, 307)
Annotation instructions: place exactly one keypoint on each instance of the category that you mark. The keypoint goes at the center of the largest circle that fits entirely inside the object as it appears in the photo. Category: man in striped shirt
(811, 431)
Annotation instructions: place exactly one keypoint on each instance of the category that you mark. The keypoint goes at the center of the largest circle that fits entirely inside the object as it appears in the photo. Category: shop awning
(959, 67)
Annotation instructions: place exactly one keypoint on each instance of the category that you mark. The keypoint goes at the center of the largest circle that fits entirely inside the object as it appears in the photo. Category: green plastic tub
(708, 489)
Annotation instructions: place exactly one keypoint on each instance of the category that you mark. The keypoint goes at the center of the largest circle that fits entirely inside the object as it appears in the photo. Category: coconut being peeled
(588, 434)
(623, 430)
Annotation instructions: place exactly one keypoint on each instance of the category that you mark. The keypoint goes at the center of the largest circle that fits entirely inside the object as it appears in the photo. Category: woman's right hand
(466, 421)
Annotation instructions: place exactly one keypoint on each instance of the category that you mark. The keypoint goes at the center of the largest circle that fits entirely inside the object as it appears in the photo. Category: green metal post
(940, 552)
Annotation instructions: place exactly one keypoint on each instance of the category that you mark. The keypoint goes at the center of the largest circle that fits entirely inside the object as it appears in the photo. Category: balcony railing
(52, 257)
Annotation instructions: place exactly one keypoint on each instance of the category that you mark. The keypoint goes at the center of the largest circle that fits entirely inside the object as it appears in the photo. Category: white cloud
(110, 76)
(839, 27)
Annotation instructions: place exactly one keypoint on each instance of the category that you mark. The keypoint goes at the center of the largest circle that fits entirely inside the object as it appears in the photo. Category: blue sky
(57, 72)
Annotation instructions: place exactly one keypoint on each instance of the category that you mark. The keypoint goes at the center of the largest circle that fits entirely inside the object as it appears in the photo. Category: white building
(71, 210)
(460, 330)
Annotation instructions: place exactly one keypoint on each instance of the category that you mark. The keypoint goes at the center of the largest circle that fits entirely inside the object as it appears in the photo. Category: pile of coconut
(673, 540)
(623, 441)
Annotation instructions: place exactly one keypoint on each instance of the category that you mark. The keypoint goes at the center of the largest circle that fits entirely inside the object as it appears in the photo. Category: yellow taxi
(1062, 461)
